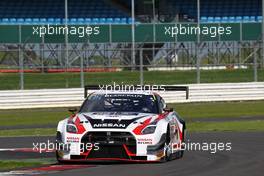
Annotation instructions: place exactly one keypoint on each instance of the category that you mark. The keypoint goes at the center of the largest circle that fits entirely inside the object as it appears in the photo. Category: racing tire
(58, 140)
(180, 153)
(168, 154)
(58, 158)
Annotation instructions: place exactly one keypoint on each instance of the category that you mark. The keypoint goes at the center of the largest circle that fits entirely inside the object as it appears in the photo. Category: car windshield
(120, 103)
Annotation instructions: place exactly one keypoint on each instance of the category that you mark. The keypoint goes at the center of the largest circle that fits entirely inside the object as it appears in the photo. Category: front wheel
(58, 142)
(180, 153)
(167, 149)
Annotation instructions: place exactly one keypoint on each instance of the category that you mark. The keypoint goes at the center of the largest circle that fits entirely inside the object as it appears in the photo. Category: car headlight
(149, 129)
(71, 128)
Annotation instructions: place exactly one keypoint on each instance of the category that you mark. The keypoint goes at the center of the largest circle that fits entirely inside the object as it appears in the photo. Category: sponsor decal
(144, 141)
(109, 125)
(72, 139)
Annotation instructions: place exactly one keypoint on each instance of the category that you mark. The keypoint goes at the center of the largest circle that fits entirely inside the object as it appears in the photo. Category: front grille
(118, 138)
(110, 144)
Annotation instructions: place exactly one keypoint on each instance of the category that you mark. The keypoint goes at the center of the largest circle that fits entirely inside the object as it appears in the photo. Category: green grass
(254, 125)
(31, 117)
(63, 80)
(187, 111)
(28, 132)
(9, 165)
(220, 109)
(6, 165)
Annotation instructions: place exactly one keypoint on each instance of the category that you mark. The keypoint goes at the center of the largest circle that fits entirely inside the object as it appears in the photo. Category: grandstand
(220, 11)
(52, 12)
(118, 11)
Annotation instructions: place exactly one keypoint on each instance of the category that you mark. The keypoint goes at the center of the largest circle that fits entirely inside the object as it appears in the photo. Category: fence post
(255, 65)
(42, 54)
(141, 68)
(262, 30)
(198, 60)
(81, 72)
(21, 60)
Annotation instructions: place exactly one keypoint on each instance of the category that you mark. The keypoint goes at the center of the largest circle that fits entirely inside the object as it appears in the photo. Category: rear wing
(146, 87)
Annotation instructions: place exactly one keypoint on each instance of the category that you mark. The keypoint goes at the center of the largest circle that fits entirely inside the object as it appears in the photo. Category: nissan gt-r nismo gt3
(123, 126)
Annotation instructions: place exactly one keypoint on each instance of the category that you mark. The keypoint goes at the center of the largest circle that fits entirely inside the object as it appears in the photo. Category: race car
(122, 126)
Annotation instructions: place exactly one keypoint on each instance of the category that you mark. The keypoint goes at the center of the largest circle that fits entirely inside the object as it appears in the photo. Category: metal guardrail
(45, 98)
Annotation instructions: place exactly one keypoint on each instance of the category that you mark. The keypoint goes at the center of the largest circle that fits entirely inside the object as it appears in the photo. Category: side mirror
(168, 109)
(73, 110)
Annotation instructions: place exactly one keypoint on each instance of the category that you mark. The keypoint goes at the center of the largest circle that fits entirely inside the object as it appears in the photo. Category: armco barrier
(44, 98)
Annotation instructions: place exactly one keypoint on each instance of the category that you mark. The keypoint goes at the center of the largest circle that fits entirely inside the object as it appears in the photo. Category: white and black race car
(122, 126)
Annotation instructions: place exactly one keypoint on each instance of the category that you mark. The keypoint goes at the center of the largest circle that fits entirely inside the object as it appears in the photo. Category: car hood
(114, 120)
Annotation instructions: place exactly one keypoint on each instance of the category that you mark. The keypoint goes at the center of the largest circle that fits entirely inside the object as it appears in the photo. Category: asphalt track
(245, 158)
